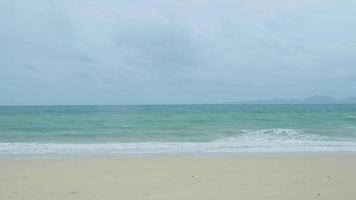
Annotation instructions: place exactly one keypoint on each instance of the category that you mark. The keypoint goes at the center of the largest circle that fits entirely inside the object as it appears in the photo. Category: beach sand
(247, 177)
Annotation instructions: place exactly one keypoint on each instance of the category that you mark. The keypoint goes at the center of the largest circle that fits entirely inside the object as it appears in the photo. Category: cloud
(78, 52)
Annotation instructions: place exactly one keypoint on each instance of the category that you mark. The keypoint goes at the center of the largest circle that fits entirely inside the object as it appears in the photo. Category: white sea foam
(270, 140)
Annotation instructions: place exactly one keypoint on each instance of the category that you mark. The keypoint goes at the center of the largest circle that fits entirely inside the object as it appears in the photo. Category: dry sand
(275, 177)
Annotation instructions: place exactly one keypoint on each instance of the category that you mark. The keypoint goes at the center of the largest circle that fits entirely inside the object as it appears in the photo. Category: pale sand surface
(275, 177)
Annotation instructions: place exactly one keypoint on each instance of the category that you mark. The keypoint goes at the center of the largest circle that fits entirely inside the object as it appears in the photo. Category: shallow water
(177, 129)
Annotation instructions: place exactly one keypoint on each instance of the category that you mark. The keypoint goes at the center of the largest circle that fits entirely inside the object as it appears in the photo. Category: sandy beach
(277, 177)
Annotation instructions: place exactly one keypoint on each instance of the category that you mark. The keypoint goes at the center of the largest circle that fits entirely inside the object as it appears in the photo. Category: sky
(175, 52)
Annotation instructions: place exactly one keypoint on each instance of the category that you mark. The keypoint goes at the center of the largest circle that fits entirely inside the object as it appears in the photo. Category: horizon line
(174, 104)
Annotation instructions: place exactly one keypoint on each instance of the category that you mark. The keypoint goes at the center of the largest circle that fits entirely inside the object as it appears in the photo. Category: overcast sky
(182, 51)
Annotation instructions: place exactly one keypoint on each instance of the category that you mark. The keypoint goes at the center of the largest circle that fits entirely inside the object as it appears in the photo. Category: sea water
(156, 129)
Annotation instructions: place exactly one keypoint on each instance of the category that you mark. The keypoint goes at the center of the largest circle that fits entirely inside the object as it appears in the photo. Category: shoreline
(86, 156)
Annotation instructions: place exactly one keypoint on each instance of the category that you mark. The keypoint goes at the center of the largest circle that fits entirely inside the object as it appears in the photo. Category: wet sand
(275, 177)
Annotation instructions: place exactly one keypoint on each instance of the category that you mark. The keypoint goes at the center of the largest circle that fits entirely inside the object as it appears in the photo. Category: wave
(350, 117)
(268, 140)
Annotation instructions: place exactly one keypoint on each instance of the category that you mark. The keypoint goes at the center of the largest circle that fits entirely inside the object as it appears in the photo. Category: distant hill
(317, 99)
(349, 100)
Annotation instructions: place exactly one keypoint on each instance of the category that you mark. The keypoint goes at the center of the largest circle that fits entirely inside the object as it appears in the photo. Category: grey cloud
(157, 48)
(91, 52)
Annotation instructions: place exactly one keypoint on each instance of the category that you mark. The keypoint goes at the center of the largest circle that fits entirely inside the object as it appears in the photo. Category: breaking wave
(269, 140)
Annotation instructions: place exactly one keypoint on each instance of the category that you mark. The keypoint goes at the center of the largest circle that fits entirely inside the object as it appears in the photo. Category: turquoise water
(177, 128)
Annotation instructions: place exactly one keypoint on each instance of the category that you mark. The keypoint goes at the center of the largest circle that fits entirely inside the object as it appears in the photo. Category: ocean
(176, 129)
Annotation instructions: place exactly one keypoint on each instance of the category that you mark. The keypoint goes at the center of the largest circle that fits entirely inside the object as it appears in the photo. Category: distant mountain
(349, 100)
(317, 99)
